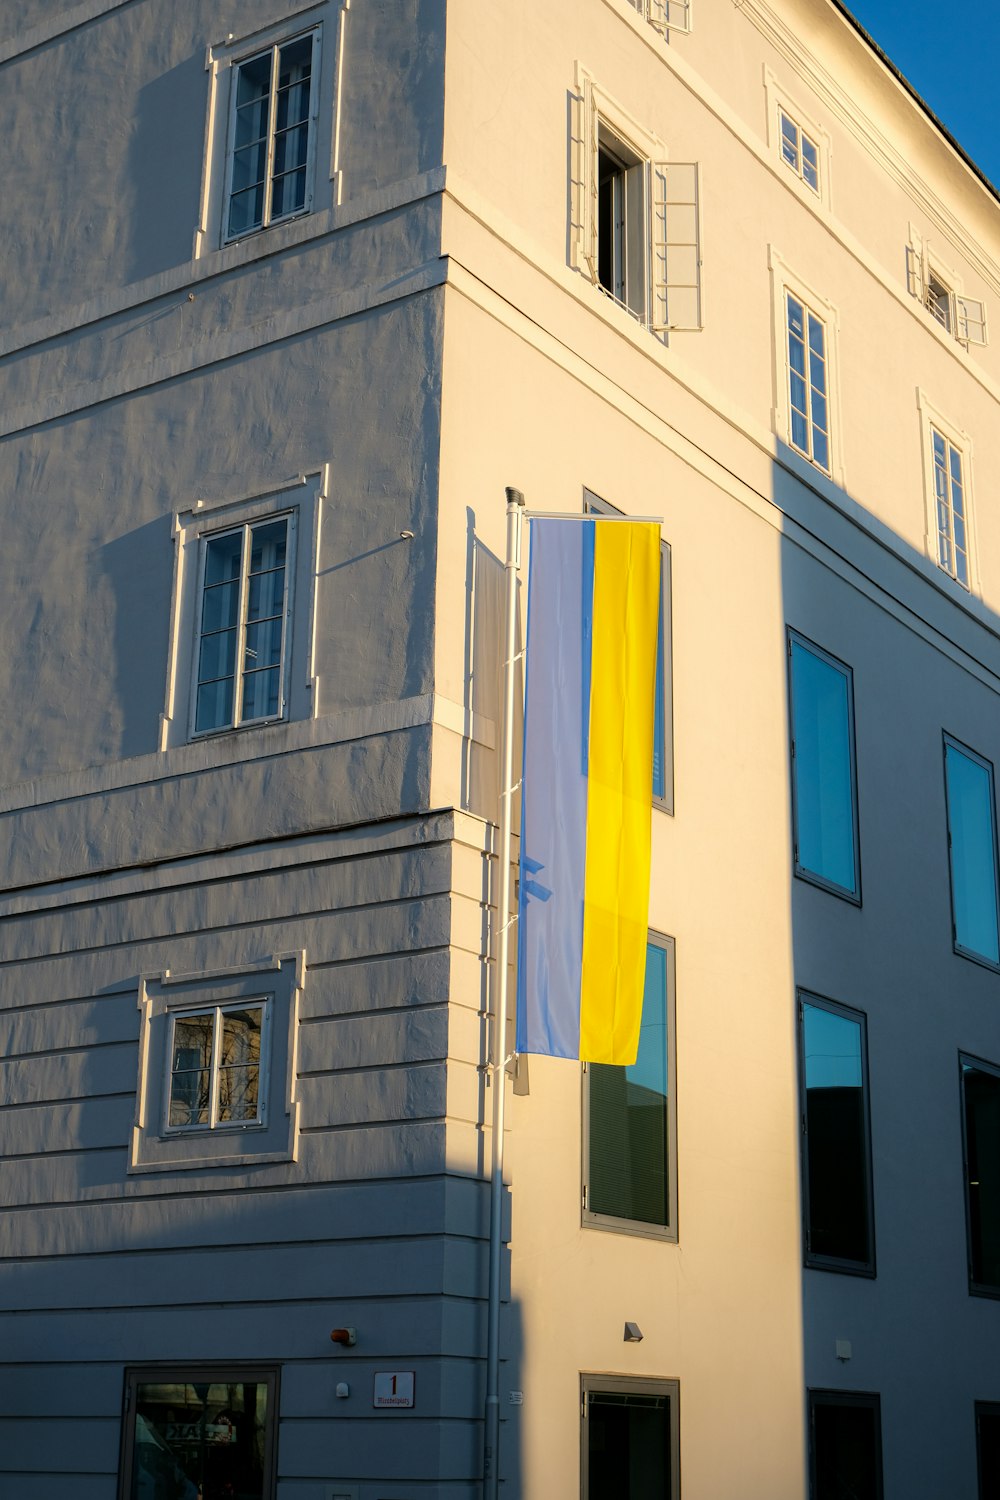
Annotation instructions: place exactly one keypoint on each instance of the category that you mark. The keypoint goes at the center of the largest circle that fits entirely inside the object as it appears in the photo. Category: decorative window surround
(635, 218)
(300, 503)
(938, 433)
(274, 985)
(665, 15)
(937, 287)
(781, 106)
(785, 282)
(227, 215)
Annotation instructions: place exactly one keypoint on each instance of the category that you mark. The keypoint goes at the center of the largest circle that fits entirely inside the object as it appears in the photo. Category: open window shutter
(588, 181)
(314, 76)
(676, 246)
(970, 320)
(670, 15)
(915, 271)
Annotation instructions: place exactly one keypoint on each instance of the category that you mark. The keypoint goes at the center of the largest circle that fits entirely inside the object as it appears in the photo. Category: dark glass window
(972, 851)
(988, 1448)
(845, 1460)
(630, 1151)
(824, 800)
(630, 1438)
(200, 1433)
(981, 1127)
(837, 1196)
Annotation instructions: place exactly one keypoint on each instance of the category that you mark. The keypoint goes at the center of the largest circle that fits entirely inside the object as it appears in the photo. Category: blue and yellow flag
(586, 798)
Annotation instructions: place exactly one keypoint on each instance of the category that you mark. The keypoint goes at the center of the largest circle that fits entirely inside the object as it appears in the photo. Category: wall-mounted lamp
(633, 1333)
(343, 1391)
(348, 1336)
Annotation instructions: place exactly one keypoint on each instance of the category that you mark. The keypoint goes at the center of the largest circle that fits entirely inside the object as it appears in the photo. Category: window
(663, 713)
(836, 1138)
(216, 1067)
(215, 1078)
(241, 656)
(271, 136)
(824, 787)
(242, 639)
(631, 1438)
(200, 1430)
(981, 1142)
(988, 1448)
(799, 151)
(665, 15)
(805, 342)
(267, 159)
(972, 852)
(807, 382)
(947, 456)
(636, 219)
(630, 1119)
(936, 287)
(845, 1446)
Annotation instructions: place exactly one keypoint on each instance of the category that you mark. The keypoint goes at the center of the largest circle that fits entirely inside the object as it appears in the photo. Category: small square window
(665, 15)
(937, 287)
(799, 151)
(196, 1430)
(630, 1441)
(216, 1067)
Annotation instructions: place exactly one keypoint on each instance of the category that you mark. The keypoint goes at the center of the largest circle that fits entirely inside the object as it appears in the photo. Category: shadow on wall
(137, 566)
(164, 167)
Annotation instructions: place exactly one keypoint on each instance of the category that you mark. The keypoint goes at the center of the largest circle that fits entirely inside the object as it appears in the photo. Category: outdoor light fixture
(633, 1333)
(348, 1336)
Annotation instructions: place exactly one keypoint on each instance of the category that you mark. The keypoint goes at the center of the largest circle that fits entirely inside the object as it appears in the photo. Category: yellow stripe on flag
(620, 789)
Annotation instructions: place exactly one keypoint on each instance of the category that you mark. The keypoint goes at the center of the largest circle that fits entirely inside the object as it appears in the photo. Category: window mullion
(272, 123)
(241, 634)
(213, 1107)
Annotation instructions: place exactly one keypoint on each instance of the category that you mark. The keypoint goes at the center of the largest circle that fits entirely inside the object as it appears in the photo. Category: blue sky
(951, 56)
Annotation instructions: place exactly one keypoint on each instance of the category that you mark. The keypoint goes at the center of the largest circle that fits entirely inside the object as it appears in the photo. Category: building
(291, 292)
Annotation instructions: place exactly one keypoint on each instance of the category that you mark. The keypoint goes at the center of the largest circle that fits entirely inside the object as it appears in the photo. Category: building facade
(291, 292)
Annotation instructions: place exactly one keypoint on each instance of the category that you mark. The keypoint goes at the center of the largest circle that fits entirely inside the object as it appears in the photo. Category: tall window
(215, 1067)
(200, 1430)
(807, 382)
(949, 499)
(824, 792)
(663, 717)
(621, 223)
(845, 1446)
(972, 852)
(836, 1148)
(988, 1448)
(630, 1439)
(630, 1149)
(241, 652)
(981, 1136)
(799, 151)
(270, 161)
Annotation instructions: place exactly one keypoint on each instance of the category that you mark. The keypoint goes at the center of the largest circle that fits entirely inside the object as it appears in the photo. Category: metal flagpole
(498, 1051)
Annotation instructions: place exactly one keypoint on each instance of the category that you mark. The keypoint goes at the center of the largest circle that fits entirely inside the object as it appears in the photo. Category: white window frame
(324, 21)
(661, 260)
(301, 500)
(933, 420)
(156, 1146)
(783, 282)
(218, 1012)
(937, 288)
(666, 15)
(780, 102)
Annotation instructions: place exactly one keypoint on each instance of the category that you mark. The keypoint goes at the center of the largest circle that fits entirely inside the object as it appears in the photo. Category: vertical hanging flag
(586, 797)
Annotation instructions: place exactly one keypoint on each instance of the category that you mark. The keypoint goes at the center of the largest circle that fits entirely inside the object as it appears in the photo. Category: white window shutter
(915, 271)
(588, 183)
(676, 246)
(970, 320)
(670, 15)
